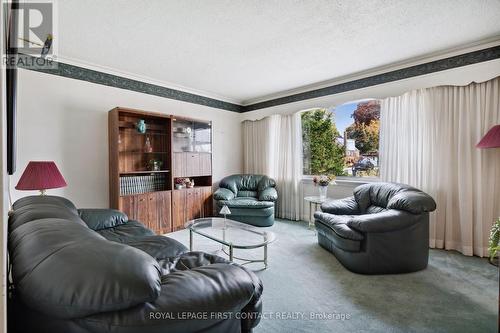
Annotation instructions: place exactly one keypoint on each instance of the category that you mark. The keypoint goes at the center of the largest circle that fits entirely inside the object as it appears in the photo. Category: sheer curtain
(427, 139)
(273, 146)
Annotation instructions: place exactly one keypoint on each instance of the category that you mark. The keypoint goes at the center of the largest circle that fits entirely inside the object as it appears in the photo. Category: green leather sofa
(249, 197)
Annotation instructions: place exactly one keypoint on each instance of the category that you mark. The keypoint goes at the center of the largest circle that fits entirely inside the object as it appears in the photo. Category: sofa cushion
(250, 194)
(340, 242)
(157, 246)
(124, 232)
(134, 234)
(250, 213)
(338, 223)
(98, 219)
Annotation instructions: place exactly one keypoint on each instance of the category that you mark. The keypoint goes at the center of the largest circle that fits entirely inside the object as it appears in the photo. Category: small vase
(322, 192)
(141, 126)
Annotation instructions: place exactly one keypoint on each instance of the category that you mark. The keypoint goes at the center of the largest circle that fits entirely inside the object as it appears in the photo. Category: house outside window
(343, 140)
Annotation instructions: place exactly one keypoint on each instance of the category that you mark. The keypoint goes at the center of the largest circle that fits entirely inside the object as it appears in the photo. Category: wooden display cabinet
(143, 167)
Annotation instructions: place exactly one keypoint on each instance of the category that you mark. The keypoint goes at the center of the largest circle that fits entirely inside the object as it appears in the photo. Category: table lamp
(491, 139)
(41, 176)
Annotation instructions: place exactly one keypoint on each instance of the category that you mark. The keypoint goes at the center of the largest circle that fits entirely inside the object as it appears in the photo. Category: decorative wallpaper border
(400, 74)
(89, 75)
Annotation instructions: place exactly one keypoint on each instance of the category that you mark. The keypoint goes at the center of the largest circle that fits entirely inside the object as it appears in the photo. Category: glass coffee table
(233, 235)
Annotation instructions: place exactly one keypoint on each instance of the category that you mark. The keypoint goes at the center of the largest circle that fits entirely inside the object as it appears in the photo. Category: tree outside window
(342, 141)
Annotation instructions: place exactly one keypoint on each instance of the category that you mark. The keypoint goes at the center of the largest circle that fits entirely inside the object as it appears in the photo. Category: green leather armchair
(249, 197)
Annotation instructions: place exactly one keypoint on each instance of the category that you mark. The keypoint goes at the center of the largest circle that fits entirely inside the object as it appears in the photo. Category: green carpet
(305, 284)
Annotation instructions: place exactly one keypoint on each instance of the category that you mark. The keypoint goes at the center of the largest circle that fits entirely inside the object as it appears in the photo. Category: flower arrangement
(323, 180)
(183, 182)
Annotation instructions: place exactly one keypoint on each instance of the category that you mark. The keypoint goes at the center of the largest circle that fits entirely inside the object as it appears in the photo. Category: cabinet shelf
(190, 188)
(149, 126)
(144, 193)
(143, 172)
(143, 152)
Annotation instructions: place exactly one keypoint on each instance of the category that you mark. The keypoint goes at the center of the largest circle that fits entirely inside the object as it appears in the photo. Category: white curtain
(273, 146)
(427, 139)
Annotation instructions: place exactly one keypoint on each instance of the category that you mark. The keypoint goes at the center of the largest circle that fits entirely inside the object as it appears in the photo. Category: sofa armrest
(66, 270)
(98, 219)
(412, 202)
(223, 194)
(347, 206)
(268, 194)
(389, 220)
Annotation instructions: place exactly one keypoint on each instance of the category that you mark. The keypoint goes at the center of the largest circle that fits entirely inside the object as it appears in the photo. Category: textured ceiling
(243, 50)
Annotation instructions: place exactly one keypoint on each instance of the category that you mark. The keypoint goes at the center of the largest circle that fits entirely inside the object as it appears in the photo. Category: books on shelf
(142, 184)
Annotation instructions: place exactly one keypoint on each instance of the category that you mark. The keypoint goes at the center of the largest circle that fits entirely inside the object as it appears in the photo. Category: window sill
(349, 181)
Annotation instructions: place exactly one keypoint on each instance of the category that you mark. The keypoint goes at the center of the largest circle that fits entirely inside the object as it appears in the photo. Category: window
(342, 141)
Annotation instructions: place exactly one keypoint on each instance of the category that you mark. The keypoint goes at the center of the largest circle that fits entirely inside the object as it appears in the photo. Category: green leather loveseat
(249, 197)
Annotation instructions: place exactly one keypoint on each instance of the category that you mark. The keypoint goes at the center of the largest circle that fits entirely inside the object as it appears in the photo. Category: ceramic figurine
(147, 147)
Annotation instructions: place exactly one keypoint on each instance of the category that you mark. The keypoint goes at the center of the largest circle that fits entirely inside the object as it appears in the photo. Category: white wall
(458, 76)
(66, 120)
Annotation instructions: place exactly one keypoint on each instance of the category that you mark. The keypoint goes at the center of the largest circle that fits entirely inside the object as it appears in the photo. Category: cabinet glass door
(183, 135)
(202, 137)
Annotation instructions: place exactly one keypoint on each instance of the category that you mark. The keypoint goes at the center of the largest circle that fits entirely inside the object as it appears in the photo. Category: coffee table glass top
(228, 232)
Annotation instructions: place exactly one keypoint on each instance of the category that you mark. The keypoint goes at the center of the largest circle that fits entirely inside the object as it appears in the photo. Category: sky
(343, 117)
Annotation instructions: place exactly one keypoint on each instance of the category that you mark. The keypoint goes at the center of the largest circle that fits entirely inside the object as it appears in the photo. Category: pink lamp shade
(491, 139)
(40, 175)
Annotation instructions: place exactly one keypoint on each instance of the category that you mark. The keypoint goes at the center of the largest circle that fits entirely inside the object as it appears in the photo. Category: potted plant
(322, 182)
(494, 240)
